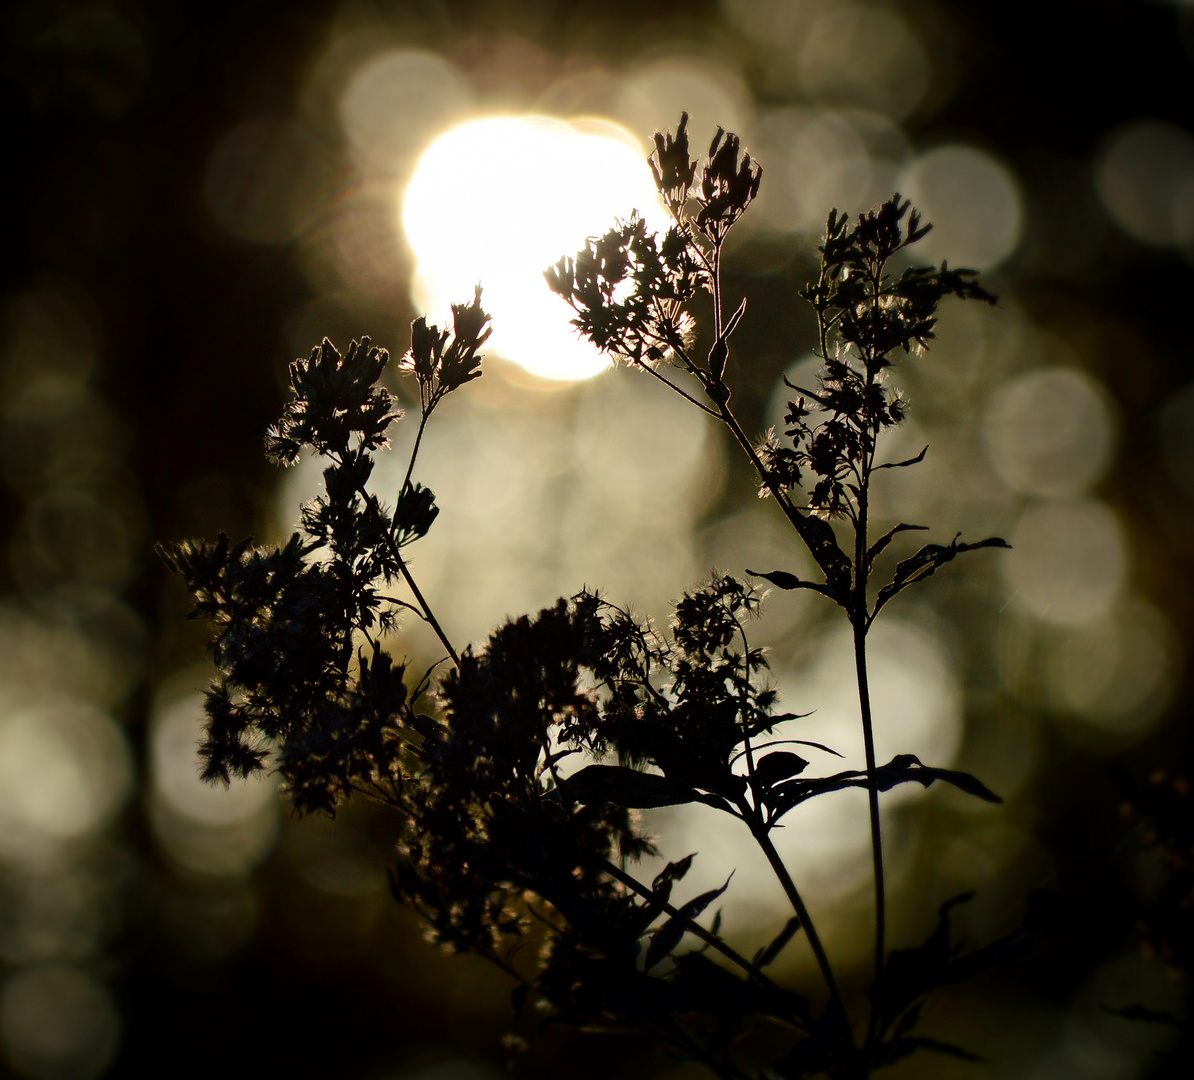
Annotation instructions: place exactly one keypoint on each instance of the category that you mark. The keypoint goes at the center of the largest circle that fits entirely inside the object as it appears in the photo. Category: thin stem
(400, 603)
(691, 925)
(410, 467)
(425, 411)
(428, 614)
(679, 390)
(868, 735)
(822, 321)
(685, 229)
(762, 838)
(861, 623)
(439, 630)
(747, 749)
(790, 512)
(716, 290)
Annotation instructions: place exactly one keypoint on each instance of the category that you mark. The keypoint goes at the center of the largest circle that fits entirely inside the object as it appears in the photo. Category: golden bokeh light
(65, 771)
(863, 55)
(498, 200)
(658, 89)
(397, 101)
(1118, 672)
(205, 828)
(1144, 176)
(1069, 561)
(973, 201)
(1051, 432)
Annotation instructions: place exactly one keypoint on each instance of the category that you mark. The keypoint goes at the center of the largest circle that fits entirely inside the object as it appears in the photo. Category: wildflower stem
(410, 467)
(796, 519)
(868, 736)
(427, 612)
(763, 839)
(861, 622)
(679, 390)
(404, 570)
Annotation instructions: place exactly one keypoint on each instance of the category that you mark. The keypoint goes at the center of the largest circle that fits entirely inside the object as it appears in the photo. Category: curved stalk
(428, 614)
(763, 839)
(868, 736)
(410, 465)
(425, 608)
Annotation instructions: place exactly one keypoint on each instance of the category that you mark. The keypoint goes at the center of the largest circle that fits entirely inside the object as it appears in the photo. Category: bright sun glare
(497, 201)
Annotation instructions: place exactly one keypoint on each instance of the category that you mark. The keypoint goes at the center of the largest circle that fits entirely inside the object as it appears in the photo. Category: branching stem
(410, 467)
(693, 927)
(679, 390)
(404, 570)
(427, 612)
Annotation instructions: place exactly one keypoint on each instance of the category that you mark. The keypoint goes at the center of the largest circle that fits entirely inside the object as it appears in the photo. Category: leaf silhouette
(904, 464)
(911, 974)
(902, 769)
(926, 562)
(769, 952)
(887, 538)
(673, 872)
(621, 786)
(779, 765)
(668, 936)
(783, 580)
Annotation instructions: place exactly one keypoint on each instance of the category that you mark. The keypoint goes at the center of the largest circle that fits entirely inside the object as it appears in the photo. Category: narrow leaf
(775, 719)
(768, 953)
(670, 874)
(926, 562)
(783, 580)
(902, 769)
(904, 464)
(662, 888)
(668, 936)
(819, 538)
(887, 537)
(906, 768)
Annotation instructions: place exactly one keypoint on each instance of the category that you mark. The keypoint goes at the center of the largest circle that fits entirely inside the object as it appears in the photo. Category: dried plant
(518, 774)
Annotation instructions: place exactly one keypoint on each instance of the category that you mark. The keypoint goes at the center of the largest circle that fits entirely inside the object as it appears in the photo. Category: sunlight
(497, 201)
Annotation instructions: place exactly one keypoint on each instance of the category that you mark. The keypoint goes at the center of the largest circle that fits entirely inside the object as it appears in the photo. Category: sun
(500, 199)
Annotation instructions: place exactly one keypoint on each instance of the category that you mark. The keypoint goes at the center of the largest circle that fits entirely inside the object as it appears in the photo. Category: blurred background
(200, 193)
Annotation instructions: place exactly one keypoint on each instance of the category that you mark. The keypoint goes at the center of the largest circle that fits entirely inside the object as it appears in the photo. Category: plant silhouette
(518, 772)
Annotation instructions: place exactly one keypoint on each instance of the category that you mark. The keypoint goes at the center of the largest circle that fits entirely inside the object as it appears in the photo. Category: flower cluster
(518, 776)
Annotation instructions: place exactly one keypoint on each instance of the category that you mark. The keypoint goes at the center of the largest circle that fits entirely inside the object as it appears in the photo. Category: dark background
(106, 136)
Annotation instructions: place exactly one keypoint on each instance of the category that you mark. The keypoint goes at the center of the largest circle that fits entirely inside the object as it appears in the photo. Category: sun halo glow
(497, 201)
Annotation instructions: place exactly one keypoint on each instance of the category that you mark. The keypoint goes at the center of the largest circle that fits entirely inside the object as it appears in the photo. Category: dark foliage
(1161, 810)
(519, 774)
